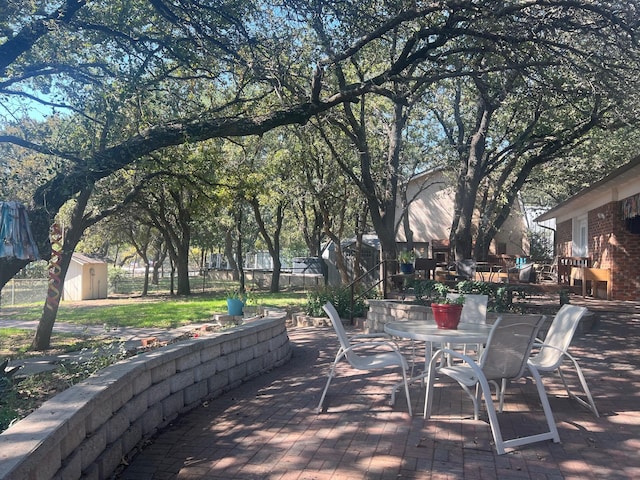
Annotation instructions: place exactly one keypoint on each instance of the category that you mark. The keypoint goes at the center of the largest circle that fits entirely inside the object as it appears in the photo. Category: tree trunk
(272, 242)
(182, 267)
(470, 174)
(228, 252)
(58, 267)
(159, 257)
(145, 286)
(240, 258)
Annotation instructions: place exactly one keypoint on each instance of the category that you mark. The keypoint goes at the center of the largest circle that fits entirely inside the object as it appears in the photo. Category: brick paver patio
(268, 428)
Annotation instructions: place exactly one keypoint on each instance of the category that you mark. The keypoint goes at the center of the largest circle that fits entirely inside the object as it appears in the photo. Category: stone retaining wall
(86, 431)
(383, 311)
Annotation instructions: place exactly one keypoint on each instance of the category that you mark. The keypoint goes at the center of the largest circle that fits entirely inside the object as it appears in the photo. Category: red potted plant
(447, 311)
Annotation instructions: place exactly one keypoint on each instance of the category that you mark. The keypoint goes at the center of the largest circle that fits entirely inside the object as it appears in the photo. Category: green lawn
(152, 311)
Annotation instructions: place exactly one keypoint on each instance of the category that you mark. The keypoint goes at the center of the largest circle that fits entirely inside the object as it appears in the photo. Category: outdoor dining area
(270, 427)
(502, 351)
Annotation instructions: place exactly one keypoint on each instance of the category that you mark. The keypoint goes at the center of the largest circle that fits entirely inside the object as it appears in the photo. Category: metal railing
(362, 294)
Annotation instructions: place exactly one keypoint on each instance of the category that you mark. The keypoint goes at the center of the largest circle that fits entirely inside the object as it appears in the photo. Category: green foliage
(6, 377)
(116, 275)
(406, 256)
(432, 291)
(426, 291)
(34, 270)
(476, 287)
(91, 361)
(459, 300)
(236, 294)
(540, 247)
(500, 295)
(341, 300)
(8, 410)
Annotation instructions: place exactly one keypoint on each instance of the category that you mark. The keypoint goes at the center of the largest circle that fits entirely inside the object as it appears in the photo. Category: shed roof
(84, 260)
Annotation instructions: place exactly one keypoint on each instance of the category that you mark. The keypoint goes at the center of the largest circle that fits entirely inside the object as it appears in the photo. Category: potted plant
(235, 302)
(447, 311)
(406, 259)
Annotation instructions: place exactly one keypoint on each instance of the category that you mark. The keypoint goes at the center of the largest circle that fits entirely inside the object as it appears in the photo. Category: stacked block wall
(86, 431)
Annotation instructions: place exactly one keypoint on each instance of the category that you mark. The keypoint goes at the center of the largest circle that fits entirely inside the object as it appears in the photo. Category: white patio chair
(370, 361)
(504, 358)
(474, 310)
(554, 349)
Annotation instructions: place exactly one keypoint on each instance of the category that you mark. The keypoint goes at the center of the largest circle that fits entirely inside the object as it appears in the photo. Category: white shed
(86, 279)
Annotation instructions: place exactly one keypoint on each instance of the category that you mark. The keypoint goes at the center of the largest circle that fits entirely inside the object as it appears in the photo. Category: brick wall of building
(601, 235)
(563, 238)
(611, 246)
(624, 250)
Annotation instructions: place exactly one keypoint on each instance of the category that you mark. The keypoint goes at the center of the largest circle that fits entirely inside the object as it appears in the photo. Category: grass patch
(153, 311)
(156, 311)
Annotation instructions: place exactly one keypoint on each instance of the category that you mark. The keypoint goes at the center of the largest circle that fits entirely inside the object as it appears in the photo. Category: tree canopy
(137, 77)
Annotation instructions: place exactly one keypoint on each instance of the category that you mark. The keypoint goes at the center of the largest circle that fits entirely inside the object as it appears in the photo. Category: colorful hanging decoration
(55, 282)
(631, 206)
(16, 239)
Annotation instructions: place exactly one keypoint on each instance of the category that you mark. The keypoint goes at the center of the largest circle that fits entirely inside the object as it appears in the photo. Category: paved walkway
(268, 428)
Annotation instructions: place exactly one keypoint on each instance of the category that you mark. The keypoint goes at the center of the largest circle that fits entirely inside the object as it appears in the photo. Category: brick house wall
(563, 238)
(611, 246)
(612, 210)
(624, 248)
(602, 236)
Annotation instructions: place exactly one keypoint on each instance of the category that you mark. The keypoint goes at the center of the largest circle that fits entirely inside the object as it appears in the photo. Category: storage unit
(86, 279)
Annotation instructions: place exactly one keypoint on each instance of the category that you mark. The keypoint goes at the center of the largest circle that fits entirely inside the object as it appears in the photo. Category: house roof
(593, 191)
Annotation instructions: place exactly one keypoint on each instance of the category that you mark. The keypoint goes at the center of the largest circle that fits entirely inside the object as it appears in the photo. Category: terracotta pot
(446, 315)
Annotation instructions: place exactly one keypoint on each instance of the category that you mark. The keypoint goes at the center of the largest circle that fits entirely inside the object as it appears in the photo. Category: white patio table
(429, 333)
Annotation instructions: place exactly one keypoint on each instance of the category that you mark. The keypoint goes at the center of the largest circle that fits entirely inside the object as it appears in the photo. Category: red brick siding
(610, 246)
(601, 235)
(624, 250)
(563, 238)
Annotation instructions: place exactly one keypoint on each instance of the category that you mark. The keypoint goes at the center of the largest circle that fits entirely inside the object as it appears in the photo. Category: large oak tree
(168, 73)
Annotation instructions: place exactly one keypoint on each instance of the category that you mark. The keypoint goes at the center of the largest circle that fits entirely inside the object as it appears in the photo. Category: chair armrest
(391, 346)
(370, 335)
(546, 345)
(453, 354)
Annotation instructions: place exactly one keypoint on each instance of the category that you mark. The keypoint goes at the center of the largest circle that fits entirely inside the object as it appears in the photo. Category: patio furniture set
(475, 355)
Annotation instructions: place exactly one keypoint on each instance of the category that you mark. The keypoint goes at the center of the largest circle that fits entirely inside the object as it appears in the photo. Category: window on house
(633, 224)
(580, 247)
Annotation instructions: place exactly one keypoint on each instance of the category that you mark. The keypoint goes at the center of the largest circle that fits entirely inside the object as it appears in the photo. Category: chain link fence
(24, 290)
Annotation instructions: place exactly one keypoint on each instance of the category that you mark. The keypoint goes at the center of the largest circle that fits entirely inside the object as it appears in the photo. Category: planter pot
(447, 316)
(234, 306)
(406, 268)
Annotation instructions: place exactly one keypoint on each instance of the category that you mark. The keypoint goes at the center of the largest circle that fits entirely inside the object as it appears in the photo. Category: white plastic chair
(554, 349)
(372, 361)
(474, 310)
(504, 358)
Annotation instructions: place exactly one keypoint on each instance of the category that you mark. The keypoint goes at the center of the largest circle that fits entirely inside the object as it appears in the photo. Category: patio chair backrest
(466, 268)
(559, 336)
(509, 346)
(339, 328)
(474, 309)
